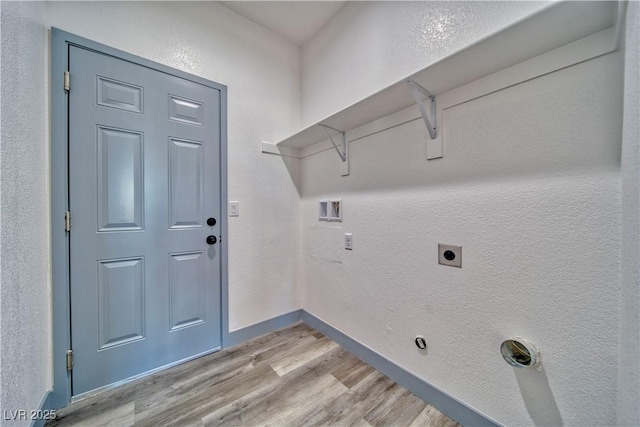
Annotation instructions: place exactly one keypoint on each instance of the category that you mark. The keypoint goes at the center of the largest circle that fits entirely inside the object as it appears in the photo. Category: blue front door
(144, 190)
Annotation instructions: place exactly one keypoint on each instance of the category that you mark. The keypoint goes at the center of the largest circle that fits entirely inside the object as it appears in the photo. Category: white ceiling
(296, 21)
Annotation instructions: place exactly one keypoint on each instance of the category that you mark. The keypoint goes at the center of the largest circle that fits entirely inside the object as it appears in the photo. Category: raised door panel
(186, 184)
(121, 308)
(120, 95)
(120, 180)
(186, 110)
(187, 289)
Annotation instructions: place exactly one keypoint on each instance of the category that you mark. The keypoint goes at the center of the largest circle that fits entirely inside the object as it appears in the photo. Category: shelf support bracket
(342, 149)
(429, 118)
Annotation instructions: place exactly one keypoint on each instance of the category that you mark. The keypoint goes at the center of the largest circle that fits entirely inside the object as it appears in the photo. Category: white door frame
(60, 242)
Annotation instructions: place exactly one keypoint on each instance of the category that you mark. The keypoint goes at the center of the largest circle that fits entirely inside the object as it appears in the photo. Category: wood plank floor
(292, 377)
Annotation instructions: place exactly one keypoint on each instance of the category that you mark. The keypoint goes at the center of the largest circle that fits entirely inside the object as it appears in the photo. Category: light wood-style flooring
(292, 377)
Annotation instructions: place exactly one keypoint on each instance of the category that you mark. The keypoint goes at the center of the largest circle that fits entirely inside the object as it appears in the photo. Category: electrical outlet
(450, 255)
(348, 241)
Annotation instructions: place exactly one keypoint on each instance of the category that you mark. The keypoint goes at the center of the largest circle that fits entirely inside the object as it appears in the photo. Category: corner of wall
(384, 296)
(25, 313)
(628, 369)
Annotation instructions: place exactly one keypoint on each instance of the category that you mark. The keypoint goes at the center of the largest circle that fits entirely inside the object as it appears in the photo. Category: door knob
(211, 240)
(211, 222)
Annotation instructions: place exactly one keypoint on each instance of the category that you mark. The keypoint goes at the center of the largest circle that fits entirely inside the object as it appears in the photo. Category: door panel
(187, 287)
(185, 110)
(119, 95)
(144, 158)
(186, 184)
(121, 308)
(120, 180)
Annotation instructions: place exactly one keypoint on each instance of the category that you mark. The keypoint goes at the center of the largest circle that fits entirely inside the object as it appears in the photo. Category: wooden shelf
(551, 28)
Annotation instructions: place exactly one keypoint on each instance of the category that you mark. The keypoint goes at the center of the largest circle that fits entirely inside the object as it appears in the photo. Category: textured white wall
(536, 209)
(629, 369)
(529, 186)
(25, 294)
(261, 70)
(370, 45)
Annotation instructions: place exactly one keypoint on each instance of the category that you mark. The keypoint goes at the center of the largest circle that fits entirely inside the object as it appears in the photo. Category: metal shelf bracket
(429, 119)
(342, 148)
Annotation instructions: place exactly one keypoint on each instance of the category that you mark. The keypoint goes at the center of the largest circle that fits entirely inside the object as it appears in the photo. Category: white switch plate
(234, 209)
(348, 241)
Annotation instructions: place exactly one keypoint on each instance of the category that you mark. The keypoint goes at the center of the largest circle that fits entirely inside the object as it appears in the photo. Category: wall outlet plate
(450, 255)
(348, 241)
(234, 208)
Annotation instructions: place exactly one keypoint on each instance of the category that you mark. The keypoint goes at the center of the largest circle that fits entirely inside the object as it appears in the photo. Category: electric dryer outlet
(450, 255)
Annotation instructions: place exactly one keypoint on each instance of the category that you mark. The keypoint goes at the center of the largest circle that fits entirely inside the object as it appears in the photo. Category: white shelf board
(551, 28)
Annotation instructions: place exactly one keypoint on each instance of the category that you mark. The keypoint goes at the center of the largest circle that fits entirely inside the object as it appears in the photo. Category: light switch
(234, 209)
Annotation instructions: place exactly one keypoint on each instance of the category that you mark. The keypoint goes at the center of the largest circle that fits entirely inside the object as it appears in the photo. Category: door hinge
(66, 81)
(67, 221)
(69, 360)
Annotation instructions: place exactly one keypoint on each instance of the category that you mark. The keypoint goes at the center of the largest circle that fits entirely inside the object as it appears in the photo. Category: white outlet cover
(445, 256)
(348, 241)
